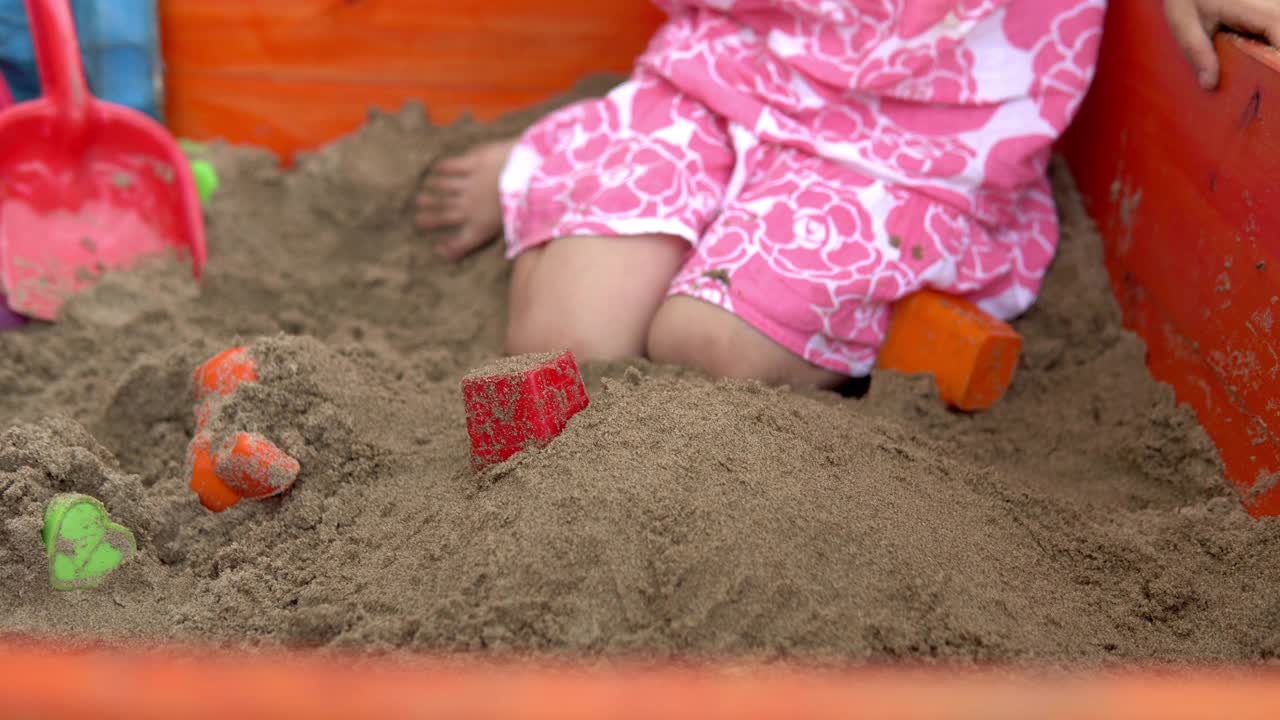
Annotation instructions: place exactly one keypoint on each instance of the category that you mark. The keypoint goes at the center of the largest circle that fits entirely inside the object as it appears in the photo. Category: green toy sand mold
(202, 171)
(1084, 519)
(84, 545)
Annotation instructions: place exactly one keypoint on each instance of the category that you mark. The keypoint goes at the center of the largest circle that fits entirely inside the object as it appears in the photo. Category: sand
(1083, 520)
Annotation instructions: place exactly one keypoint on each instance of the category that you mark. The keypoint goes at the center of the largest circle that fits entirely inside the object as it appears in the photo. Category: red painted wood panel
(294, 74)
(1181, 185)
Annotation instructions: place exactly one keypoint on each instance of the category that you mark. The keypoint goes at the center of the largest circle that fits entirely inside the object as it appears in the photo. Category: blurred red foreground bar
(169, 684)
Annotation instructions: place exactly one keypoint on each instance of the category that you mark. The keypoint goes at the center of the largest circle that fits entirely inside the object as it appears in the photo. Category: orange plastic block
(970, 354)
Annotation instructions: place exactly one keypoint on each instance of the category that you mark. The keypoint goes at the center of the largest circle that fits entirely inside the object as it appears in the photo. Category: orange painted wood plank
(294, 74)
(389, 37)
(260, 112)
(1181, 184)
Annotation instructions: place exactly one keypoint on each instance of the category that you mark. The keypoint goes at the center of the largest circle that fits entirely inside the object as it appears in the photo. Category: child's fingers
(1195, 37)
(430, 199)
(437, 206)
(444, 186)
(439, 218)
(463, 165)
(1254, 16)
(452, 250)
(460, 246)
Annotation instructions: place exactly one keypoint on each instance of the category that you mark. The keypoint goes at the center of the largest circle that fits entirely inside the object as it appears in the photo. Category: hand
(1194, 22)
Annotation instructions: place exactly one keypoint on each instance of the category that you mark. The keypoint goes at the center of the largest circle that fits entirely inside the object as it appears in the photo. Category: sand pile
(1083, 519)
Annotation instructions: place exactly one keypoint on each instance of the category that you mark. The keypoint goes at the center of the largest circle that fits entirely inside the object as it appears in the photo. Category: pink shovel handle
(58, 57)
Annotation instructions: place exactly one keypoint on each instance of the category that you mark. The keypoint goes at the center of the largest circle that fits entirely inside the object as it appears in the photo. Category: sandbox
(1085, 521)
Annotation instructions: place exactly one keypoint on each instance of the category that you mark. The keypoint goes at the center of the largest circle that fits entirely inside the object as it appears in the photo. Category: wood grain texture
(294, 74)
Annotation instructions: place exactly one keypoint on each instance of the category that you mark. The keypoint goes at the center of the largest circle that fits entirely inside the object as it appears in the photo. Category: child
(777, 173)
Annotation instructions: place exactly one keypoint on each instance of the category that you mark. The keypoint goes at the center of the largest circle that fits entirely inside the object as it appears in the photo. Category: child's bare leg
(593, 295)
(462, 192)
(691, 332)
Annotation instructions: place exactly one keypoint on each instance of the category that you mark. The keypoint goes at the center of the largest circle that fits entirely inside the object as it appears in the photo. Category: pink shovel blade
(85, 185)
(8, 318)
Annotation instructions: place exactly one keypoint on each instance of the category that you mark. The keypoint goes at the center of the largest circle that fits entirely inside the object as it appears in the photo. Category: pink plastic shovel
(85, 185)
(8, 318)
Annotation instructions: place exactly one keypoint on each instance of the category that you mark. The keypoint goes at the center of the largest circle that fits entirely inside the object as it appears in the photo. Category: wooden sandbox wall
(294, 74)
(1181, 184)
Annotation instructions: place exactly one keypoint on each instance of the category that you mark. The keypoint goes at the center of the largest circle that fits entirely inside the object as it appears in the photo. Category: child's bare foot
(462, 192)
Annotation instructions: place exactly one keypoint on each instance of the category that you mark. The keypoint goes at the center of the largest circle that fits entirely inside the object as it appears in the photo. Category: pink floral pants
(825, 158)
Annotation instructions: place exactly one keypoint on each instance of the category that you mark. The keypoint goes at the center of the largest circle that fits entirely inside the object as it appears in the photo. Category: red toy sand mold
(520, 402)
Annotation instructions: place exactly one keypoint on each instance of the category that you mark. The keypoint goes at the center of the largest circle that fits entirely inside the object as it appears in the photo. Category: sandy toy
(253, 467)
(223, 373)
(83, 544)
(247, 466)
(214, 494)
(244, 465)
(519, 402)
(218, 377)
(206, 179)
(90, 186)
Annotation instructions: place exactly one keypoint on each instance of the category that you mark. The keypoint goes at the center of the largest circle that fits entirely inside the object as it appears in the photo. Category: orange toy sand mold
(243, 465)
